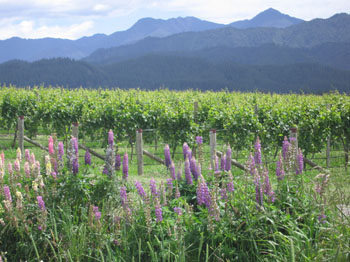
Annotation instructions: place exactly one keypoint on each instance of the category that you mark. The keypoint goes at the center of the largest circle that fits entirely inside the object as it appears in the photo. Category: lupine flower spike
(87, 158)
(125, 166)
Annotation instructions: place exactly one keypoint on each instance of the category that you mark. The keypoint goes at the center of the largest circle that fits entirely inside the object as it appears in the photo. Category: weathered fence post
(212, 138)
(75, 130)
(328, 152)
(21, 133)
(139, 150)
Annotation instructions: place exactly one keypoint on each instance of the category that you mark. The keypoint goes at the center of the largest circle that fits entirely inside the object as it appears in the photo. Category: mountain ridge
(36, 49)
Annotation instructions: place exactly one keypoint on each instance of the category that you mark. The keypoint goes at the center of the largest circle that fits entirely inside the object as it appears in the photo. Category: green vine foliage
(241, 117)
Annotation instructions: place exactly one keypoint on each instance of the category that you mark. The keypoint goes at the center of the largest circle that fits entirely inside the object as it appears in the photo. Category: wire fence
(156, 147)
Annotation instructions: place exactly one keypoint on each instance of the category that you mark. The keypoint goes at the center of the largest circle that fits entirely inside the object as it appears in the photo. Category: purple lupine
(257, 156)
(223, 193)
(60, 150)
(74, 142)
(117, 162)
(216, 168)
(185, 149)
(110, 137)
(258, 191)
(105, 171)
(178, 210)
(267, 187)
(230, 185)
(188, 172)
(228, 159)
(123, 195)
(193, 168)
(322, 218)
(51, 147)
(172, 171)
(41, 203)
(285, 148)
(27, 155)
(169, 183)
(158, 212)
(87, 158)
(223, 162)
(75, 166)
(199, 140)
(251, 164)
(203, 195)
(140, 189)
(125, 166)
(167, 156)
(279, 169)
(7, 193)
(153, 187)
(300, 163)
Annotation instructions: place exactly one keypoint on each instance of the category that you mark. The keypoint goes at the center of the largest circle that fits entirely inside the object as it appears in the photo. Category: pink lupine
(27, 155)
(51, 146)
(7, 193)
(110, 137)
(27, 169)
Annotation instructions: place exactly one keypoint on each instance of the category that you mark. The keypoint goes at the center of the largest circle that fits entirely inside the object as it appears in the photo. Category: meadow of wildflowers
(64, 210)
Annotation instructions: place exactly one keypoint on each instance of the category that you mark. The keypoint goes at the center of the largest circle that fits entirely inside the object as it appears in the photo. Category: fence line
(140, 151)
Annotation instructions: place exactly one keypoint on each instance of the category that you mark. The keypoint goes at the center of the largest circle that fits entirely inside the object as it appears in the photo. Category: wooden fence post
(75, 130)
(212, 137)
(21, 133)
(139, 150)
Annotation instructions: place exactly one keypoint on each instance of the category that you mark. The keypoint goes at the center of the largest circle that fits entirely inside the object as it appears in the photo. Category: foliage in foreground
(73, 213)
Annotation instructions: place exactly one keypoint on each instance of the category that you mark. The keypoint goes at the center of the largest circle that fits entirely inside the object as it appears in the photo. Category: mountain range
(35, 49)
(272, 52)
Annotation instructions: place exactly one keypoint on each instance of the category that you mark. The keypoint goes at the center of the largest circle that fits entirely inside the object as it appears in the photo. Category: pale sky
(73, 19)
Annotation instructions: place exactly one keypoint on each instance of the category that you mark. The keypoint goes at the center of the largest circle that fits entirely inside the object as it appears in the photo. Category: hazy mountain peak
(268, 18)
